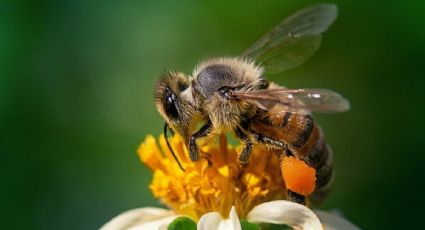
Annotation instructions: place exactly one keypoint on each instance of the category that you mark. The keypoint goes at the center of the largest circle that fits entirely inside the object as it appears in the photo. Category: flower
(141, 218)
(276, 212)
(213, 184)
(217, 192)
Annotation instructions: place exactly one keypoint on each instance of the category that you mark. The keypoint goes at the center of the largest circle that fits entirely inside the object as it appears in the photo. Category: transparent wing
(296, 100)
(294, 40)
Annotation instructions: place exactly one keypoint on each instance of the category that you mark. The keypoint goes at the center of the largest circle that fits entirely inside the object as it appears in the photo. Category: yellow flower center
(215, 183)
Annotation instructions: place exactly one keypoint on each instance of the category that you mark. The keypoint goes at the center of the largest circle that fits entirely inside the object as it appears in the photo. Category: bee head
(176, 111)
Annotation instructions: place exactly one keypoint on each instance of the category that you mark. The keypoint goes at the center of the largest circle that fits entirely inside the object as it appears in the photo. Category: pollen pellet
(298, 176)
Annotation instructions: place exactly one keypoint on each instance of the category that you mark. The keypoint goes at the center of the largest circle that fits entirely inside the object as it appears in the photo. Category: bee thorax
(226, 115)
(233, 73)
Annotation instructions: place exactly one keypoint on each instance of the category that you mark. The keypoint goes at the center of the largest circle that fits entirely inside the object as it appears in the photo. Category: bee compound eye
(170, 107)
(169, 99)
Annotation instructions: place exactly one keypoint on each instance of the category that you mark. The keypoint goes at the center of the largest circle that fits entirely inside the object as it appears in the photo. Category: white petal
(285, 212)
(214, 221)
(232, 223)
(154, 225)
(333, 221)
(209, 221)
(141, 218)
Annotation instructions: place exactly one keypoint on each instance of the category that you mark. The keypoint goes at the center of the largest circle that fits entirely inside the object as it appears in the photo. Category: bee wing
(296, 100)
(294, 40)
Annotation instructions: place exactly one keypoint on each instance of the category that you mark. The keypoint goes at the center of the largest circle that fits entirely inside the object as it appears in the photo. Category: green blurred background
(76, 99)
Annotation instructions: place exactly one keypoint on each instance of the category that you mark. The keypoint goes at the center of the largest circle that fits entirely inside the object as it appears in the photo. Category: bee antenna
(169, 146)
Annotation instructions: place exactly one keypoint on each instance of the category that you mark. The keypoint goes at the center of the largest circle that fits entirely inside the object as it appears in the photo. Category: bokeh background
(76, 99)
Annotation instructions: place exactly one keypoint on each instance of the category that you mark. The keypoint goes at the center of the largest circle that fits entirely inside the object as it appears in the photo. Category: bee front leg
(193, 147)
(246, 151)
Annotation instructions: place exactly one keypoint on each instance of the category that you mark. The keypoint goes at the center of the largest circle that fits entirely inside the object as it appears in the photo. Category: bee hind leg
(295, 197)
(193, 147)
(269, 141)
(246, 152)
(291, 195)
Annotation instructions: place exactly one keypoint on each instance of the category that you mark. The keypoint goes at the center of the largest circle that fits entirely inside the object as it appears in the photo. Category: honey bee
(230, 94)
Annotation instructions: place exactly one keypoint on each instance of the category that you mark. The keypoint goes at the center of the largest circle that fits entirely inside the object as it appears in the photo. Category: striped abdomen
(302, 138)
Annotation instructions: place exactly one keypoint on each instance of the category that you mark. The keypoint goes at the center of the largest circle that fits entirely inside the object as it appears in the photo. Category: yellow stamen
(213, 184)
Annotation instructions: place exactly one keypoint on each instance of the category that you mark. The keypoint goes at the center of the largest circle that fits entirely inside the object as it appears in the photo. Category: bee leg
(246, 151)
(193, 147)
(295, 197)
(269, 141)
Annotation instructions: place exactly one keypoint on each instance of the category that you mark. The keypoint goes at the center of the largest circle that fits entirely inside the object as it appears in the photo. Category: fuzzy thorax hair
(236, 73)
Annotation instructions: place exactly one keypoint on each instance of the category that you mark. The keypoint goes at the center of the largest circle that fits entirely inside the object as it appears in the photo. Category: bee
(230, 94)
